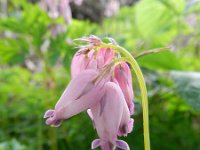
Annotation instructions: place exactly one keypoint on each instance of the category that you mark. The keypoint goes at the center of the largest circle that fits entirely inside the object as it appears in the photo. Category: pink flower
(82, 60)
(87, 58)
(58, 8)
(103, 89)
(104, 57)
(111, 117)
(76, 98)
(122, 76)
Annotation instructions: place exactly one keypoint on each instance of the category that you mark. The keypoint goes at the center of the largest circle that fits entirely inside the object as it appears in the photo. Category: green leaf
(13, 51)
(12, 24)
(177, 6)
(163, 60)
(188, 87)
(79, 28)
(10, 145)
(158, 18)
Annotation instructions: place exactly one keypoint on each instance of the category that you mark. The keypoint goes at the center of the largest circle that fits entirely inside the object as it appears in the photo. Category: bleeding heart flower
(103, 89)
(104, 57)
(122, 76)
(111, 117)
(87, 58)
(82, 60)
(56, 8)
(76, 98)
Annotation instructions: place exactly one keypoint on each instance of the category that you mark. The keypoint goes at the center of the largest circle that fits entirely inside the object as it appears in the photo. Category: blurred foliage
(35, 69)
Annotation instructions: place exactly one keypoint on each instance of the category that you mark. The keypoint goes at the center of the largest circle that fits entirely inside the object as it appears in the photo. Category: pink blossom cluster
(58, 8)
(103, 89)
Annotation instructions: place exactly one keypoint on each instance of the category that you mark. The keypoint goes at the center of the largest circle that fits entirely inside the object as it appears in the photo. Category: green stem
(157, 50)
(130, 59)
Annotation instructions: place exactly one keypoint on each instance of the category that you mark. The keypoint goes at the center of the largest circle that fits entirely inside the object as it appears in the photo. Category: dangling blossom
(111, 117)
(106, 94)
(122, 76)
(56, 8)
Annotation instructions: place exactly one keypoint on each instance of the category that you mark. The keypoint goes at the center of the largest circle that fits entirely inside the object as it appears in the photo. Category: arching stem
(130, 59)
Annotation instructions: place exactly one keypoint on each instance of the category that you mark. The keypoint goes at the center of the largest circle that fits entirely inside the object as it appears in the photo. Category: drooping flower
(58, 8)
(122, 76)
(76, 98)
(106, 93)
(83, 60)
(111, 117)
(104, 57)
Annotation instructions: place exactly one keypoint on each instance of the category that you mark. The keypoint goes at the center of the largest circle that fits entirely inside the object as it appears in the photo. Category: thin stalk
(157, 50)
(130, 59)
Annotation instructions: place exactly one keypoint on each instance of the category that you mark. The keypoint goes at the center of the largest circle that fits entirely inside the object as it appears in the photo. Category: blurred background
(36, 47)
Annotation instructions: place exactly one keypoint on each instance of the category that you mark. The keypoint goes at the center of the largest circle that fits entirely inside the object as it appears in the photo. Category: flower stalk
(152, 51)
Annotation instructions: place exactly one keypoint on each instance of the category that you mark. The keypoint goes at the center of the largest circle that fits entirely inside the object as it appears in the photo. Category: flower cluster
(58, 8)
(101, 86)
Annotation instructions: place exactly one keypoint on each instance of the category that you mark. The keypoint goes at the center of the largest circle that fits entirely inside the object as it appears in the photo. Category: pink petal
(81, 92)
(126, 123)
(107, 116)
(48, 113)
(111, 117)
(74, 91)
(81, 61)
(95, 143)
(80, 95)
(122, 145)
(130, 125)
(104, 57)
(122, 76)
